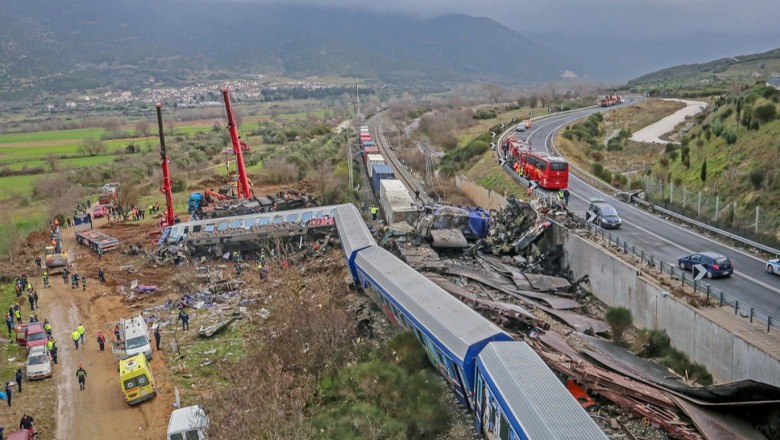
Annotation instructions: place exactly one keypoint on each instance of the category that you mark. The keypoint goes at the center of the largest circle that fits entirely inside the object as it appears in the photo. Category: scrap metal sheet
(547, 282)
(555, 341)
(579, 322)
(718, 425)
(555, 302)
(483, 276)
(448, 238)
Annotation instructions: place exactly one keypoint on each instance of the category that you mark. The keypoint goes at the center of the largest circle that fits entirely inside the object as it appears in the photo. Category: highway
(749, 283)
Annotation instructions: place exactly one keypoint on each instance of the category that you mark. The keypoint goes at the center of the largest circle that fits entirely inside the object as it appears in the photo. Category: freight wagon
(397, 204)
(379, 173)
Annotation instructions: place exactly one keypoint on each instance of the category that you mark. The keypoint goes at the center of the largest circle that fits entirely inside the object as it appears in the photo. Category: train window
(210, 228)
(262, 221)
(278, 220)
(503, 430)
(419, 336)
(291, 218)
(249, 223)
(306, 217)
(222, 226)
(196, 229)
(236, 224)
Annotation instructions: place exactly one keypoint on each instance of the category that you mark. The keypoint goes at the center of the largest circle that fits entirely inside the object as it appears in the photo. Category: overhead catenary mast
(166, 188)
(244, 192)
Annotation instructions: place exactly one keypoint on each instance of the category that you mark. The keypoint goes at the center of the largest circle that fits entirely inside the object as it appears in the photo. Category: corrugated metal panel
(455, 325)
(352, 230)
(538, 401)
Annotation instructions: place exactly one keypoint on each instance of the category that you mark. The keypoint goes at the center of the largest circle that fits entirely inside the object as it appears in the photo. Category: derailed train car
(512, 393)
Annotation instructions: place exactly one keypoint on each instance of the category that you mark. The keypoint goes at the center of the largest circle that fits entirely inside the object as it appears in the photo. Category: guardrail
(711, 293)
(595, 181)
(686, 279)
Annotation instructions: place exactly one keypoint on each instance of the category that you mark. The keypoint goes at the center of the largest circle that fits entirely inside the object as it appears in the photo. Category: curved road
(668, 241)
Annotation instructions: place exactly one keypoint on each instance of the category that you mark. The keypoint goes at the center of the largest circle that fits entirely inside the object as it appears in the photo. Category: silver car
(38, 363)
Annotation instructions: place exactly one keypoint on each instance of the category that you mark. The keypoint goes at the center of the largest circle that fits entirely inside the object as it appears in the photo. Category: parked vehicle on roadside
(188, 423)
(31, 335)
(773, 266)
(38, 363)
(100, 211)
(717, 265)
(606, 215)
(136, 379)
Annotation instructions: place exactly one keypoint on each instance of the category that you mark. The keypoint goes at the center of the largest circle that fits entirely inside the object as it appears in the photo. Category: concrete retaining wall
(727, 356)
(484, 198)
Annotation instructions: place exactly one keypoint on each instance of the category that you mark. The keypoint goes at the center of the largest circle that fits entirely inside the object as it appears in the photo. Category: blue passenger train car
(353, 233)
(452, 333)
(520, 398)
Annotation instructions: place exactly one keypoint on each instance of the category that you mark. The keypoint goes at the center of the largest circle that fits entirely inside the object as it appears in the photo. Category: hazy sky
(605, 17)
(613, 40)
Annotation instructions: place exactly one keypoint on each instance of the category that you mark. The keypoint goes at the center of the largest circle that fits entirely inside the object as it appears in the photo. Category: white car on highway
(773, 266)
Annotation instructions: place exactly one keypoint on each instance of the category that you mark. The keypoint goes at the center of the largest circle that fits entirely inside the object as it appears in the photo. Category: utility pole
(349, 163)
(357, 89)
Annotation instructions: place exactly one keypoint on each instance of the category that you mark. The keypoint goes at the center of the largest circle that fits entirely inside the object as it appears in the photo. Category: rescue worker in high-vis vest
(76, 336)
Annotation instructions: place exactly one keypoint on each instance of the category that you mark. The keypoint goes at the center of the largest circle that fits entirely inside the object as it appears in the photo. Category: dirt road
(653, 132)
(100, 410)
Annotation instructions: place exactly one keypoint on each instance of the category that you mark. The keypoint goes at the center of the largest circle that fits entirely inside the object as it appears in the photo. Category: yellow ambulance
(136, 379)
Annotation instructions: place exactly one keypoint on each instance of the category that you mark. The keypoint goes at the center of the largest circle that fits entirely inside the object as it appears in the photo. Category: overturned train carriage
(511, 392)
(246, 232)
(451, 332)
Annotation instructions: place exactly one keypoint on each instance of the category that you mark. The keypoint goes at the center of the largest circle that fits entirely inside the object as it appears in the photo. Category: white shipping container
(390, 186)
(397, 205)
(374, 159)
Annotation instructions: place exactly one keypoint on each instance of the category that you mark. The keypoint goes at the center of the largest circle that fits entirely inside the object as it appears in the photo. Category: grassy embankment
(38, 397)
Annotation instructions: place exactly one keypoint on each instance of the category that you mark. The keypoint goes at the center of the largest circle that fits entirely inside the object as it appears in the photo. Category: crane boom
(166, 188)
(243, 182)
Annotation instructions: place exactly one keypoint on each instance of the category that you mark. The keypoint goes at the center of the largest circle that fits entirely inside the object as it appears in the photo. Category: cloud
(637, 18)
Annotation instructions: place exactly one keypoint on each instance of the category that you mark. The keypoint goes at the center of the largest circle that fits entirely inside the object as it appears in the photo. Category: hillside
(89, 44)
(711, 78)
(729, 154)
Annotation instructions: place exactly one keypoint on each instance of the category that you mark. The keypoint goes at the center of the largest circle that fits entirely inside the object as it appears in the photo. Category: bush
(484, 114)
(730, 137)
(619, 320)
(765, 113)
(679, 362)
(597, 169)
(651, 343)
(179, 185)
(606, 175)
(597, 156)
(756, 178)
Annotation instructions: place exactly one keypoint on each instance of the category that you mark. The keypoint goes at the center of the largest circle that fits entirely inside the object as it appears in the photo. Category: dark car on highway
(717, 265)
(605, 214)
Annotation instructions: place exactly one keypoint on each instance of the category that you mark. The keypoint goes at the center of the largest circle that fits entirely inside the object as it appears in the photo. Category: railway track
(401, 173)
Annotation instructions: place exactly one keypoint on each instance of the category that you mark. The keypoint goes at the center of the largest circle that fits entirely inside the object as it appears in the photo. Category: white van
(189, 423)
(135, 335)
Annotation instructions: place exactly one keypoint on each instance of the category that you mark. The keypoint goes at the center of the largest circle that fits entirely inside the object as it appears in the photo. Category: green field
(41, 136)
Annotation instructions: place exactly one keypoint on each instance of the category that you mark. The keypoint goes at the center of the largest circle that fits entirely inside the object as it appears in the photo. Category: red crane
(244, 191)
(166, 188)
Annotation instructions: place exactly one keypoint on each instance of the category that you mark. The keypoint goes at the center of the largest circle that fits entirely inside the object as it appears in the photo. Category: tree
(112, 128)
(619, 320)
(53, 162)
(142, 128)
(91, 146)
(704, 171)
(494, 92)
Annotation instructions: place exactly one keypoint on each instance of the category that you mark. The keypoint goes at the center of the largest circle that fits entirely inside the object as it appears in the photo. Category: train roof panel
(540, 405)
(352, 230)
(456, 326)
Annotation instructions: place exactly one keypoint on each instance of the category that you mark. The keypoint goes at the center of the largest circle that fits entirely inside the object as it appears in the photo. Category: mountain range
(84, 44)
